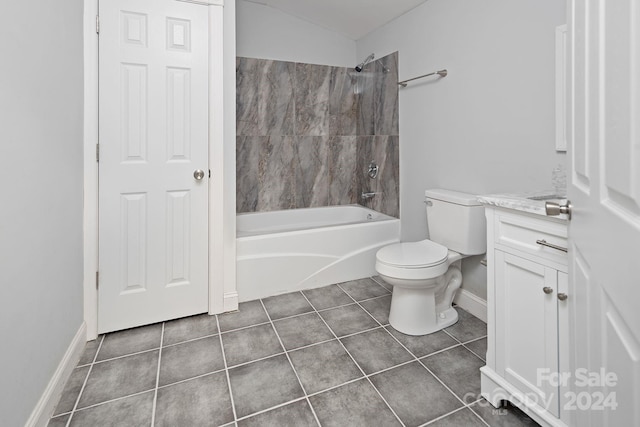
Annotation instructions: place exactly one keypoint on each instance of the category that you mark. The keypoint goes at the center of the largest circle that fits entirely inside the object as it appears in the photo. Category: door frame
(223, 295)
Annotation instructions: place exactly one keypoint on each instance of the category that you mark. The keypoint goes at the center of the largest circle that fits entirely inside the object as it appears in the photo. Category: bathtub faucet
(368, 195)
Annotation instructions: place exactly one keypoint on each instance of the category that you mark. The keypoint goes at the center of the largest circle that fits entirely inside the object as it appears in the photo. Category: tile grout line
(271, 408)
(374, 279)
(477, 414)
(189, 340)
(226, 371)
(440, 381)
(242, 328)
(467, 342)
(286, 352)
(97, 362)
(353, 359)
(113, 400)
(155, 392)
(142, 392)
(289, 359)
(474, 353)
(86, 379)
(474, 340)
(256, 360)
(462, 408)
(191, 378)
(411, 353)
(443, 329)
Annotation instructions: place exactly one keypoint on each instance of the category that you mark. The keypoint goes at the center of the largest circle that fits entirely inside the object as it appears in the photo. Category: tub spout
(368, 195)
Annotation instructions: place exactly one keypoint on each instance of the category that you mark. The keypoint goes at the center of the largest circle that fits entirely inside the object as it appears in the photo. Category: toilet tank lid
(450, 196)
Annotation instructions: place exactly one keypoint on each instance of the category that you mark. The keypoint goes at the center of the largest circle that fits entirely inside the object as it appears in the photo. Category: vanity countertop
(523, 201)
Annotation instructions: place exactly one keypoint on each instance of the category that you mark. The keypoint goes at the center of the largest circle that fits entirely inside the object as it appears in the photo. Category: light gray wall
(41, 210)
(266, 33)
(487, 127)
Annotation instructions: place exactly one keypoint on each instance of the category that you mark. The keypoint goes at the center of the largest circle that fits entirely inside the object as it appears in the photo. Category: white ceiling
(352, 18)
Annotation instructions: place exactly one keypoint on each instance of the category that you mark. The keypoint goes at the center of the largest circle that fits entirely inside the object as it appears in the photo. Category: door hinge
(97, 152)
(97, 24)
(97, 280)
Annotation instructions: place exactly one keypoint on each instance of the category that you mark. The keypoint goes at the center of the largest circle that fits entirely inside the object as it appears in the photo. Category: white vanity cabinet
(527, 313)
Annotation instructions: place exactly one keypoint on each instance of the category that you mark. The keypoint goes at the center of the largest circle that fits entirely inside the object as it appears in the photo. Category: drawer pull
(547, 290)
(562, 297)
(549, 245)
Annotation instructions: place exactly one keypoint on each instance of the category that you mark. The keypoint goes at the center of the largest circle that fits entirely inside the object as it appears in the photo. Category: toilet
(425, 275)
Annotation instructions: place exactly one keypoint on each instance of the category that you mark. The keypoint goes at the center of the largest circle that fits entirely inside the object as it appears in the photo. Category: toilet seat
(413, 260)
(421, 254)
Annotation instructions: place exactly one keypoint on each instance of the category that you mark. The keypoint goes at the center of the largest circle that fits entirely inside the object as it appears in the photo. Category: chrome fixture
(368, 195)
(546, 197)
(555, 209)
(550, 245)
(441, 73)
(361, 65)
(373, 169)
(198, 174)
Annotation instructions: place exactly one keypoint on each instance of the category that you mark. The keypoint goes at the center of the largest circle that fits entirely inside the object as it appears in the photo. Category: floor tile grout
(462, 408)
(217, 371)
(190, 340)
(271, 408)
(260, 359)
(474, 353)
(97, 362)
(155, 393)
(362, 370)
(477, 414)
(243, 328)
(226, 371)
(291, 362)
(414, 356)
(84, 384)
(306, 396)
(114, 400)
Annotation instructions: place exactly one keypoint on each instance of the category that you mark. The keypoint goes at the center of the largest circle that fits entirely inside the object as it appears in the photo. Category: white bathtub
(291, 250)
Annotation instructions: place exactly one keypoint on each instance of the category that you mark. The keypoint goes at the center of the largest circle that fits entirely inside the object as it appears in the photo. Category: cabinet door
(527, 328)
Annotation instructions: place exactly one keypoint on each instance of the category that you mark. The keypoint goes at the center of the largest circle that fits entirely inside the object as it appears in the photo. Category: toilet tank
(456, 220)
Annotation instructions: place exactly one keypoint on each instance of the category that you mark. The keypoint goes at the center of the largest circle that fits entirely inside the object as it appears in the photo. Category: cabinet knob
(562, 296)
(547, 290)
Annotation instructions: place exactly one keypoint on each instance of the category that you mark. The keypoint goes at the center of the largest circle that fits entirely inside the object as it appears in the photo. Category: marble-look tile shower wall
(306, 134)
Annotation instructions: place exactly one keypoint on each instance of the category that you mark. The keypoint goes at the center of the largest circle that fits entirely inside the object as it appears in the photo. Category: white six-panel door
(153, 121)
(604, 154)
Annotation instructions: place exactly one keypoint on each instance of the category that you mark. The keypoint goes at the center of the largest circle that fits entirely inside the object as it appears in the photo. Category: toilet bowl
(425, 275)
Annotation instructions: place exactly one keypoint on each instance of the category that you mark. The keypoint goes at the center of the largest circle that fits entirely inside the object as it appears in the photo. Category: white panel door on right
(153, 226)
(604, 153)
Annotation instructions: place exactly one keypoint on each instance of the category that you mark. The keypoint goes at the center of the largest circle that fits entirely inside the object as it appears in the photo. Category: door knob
(555, 209)
(547, 290)
(562, 297)
(198, 174)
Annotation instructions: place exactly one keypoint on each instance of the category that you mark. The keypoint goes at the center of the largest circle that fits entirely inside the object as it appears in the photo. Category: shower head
(361, 65)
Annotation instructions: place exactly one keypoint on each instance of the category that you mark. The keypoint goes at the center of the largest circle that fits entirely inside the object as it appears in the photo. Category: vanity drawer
(524, 232)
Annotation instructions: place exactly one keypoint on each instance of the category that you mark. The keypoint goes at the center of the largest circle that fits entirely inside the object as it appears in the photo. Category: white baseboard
(49, 399)
(230, 301)
(472, 303)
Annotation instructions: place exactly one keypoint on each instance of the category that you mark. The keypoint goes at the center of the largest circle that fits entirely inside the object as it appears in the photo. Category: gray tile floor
(320, 357)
